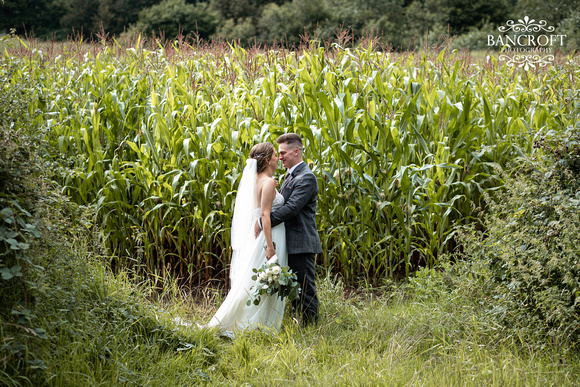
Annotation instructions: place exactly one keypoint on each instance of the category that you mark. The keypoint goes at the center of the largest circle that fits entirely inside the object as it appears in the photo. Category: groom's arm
(304, 188)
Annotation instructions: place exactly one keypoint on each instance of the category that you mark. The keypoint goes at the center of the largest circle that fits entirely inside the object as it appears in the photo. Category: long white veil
(244, 218)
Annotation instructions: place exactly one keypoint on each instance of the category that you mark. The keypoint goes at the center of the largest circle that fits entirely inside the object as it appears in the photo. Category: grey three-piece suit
(300, 191)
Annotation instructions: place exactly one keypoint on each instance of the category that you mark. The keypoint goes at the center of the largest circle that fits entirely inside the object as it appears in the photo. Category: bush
(523, 270)
(571, 28)
(532, 243)
(475, 38)
(242, 31)
(20, 189)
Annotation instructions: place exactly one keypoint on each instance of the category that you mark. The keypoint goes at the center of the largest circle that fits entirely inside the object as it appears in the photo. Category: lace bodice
(276, 203)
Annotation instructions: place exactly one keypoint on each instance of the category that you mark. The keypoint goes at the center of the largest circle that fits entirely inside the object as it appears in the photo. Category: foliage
(173, 17)
(88, 326)
(571, 28)
(20, 189)
(398, 24)
(243, 31)
(57, 301)
(467, 14)
(116, 16)
(553, 13)
(39, 18)
(155, 138)
(80, 16)
(271, 279)
(235, 9)
(281, 22)
(475, 38)
(531, 243)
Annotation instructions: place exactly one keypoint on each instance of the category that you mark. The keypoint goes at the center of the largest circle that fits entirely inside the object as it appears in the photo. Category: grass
(395, 335)
(389, 340)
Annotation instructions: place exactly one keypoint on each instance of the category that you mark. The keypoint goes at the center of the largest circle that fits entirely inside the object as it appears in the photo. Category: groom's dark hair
(292, 139)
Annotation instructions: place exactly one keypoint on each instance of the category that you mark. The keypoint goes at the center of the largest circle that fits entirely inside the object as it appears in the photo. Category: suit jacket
(299, 212)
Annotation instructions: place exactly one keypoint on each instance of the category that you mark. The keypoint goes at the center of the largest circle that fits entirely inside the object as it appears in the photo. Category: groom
(300, 191)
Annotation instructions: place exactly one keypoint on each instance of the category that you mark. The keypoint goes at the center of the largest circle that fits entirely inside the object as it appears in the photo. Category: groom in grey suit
(300, 191)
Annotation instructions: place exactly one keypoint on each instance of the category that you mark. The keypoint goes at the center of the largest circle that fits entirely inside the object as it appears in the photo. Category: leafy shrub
(20, 189)
(562, 158)
(523, 269)
(570, 27)
(532, 244)
(475, 38)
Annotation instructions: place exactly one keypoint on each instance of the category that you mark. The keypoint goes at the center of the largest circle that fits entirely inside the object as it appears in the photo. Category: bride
(256, 197)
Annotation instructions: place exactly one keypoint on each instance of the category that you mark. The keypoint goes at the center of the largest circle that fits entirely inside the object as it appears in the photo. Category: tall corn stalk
(155, 139)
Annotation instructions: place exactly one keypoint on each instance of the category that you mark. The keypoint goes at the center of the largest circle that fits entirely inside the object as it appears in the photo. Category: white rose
(276, 270)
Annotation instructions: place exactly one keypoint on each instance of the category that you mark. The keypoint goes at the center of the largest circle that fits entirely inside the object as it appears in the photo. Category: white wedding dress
(234, 314)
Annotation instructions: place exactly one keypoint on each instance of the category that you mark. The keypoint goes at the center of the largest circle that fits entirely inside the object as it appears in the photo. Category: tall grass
(427, 334)
(104, 330)
(154, 136)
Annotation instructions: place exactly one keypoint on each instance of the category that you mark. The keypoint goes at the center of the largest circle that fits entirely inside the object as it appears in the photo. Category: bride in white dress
(256, 197)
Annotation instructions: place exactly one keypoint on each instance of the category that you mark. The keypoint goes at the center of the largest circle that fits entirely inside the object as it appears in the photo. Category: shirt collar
(294, 167)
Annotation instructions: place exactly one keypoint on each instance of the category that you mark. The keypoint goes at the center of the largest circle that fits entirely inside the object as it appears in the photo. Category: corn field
(154, 137)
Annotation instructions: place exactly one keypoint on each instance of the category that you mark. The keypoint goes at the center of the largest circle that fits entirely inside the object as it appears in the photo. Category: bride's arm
(268, 193)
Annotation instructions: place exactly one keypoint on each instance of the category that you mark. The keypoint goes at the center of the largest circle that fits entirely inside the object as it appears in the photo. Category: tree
(280, 24)
(116, 15)
(391, 25)
(172, 17)
(571, 28)
(37, 17)
(234, 9)
(551, 11)
(423, 22)
(468, 14)
(80, 16)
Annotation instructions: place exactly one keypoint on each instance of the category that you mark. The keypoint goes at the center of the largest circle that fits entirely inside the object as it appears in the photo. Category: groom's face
(289, 156)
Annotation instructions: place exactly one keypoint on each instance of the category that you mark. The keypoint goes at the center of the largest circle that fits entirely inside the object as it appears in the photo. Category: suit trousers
(307, 304)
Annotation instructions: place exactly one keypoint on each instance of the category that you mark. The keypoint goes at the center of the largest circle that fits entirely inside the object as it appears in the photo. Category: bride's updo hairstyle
(262, 153)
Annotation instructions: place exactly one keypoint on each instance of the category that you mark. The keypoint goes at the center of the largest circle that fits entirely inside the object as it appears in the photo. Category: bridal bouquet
(272, 279)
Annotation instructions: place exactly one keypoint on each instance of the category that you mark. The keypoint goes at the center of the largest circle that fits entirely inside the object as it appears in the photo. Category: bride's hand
(270, 252)
(257, 229)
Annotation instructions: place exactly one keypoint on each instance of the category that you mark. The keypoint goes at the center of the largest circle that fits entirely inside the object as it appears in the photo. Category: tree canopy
(400, 23)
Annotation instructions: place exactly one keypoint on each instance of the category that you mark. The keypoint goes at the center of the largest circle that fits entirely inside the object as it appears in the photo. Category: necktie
(287, 181)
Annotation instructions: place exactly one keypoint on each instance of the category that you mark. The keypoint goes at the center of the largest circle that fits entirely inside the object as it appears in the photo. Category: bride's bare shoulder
(267, 183)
